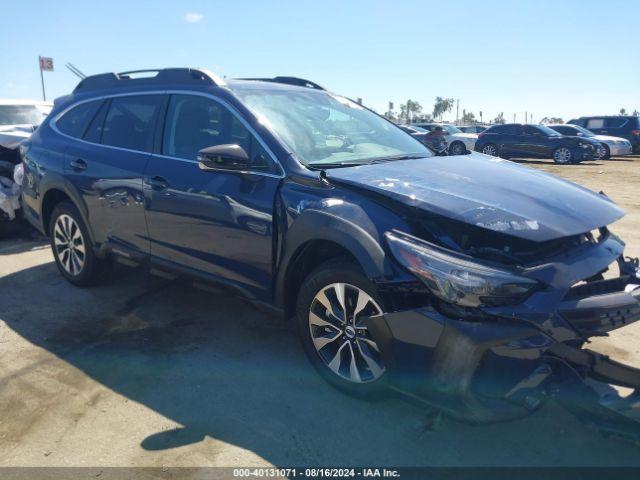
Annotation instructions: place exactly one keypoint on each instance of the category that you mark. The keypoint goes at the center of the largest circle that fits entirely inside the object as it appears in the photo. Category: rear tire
(73, 249)
(457, 148)
(332, 300)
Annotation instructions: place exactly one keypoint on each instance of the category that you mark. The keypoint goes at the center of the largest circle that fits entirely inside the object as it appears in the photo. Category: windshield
(327, 130)
(451, 129)
(587, 133)
(20, 114)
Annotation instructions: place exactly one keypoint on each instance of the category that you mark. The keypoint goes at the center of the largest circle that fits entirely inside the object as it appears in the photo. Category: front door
(219, 223)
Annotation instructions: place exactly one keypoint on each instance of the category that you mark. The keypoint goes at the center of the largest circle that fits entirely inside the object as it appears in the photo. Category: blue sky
(562, 58)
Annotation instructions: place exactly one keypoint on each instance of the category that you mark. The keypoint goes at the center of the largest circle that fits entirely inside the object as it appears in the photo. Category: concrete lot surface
(148, 372)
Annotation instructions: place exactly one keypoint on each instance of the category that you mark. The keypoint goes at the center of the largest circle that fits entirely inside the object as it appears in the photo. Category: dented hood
(487, 192)
(11, 136)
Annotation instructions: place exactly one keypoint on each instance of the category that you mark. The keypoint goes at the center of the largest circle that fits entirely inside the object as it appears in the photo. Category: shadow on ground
(224, 370)
(542, 161)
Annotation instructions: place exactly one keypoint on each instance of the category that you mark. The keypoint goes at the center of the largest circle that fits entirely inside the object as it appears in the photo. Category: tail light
(635, 132)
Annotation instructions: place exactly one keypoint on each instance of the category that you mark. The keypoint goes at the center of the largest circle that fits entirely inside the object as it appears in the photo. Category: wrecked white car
(18, 120)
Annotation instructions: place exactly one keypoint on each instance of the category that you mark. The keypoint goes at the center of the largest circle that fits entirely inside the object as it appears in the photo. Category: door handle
(78, 164)
(158, 183)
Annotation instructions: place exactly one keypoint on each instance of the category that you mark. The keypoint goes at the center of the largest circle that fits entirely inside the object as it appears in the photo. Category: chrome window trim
(222, 102)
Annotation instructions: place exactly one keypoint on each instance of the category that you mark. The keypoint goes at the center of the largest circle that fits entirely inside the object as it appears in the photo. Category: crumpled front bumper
(505, 364)
(589, 153)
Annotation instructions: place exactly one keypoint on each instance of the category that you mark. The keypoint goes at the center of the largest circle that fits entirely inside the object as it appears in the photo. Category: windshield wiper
(370, 161)
(397, 157)
(322, 166)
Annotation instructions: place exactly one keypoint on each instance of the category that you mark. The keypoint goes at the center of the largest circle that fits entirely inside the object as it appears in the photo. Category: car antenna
(76, 71)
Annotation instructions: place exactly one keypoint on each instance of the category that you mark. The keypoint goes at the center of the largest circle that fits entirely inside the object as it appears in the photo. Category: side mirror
(223, 157)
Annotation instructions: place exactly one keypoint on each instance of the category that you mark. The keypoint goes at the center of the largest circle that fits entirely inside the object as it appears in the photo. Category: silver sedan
(611, 146)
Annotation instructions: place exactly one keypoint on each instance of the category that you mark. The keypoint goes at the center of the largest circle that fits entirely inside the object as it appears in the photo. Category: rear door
(218, 223)
(507, 138)
(107, 168)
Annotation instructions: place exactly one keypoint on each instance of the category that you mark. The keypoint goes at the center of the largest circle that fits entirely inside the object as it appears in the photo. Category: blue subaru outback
(470, 282)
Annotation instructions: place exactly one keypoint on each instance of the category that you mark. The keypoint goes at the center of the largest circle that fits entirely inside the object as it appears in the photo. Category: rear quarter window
(75, 121)
(616, 122)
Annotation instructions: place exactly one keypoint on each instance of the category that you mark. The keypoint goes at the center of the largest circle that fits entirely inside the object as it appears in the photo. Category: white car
(18, 120)
(459, 142)
(615, 146)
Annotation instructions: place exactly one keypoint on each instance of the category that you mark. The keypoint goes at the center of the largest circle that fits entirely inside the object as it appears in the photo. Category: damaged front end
(505, 325)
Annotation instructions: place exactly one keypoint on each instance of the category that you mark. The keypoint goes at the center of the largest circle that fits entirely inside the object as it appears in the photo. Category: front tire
(72, 247)
(563, 156)
(607, 153)
(332, 303)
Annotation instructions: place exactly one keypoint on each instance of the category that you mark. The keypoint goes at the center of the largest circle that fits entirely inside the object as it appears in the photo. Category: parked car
(459, 142)
(627, 127)
(18, 120)
(437, 145)
(473, 283)
(609, 145)
(517, 140)
(472, 128)
(416, 132)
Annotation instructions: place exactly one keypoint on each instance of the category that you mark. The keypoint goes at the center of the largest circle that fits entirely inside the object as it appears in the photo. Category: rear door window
(595, 123)
(130, 122)
(75, 121)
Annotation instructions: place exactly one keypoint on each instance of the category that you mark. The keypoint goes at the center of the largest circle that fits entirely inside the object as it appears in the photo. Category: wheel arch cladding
(316, 237)
(55, 194)
(51, 198)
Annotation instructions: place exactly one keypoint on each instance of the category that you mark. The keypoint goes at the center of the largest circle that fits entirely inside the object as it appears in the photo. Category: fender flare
(64, 185)
(315, 225)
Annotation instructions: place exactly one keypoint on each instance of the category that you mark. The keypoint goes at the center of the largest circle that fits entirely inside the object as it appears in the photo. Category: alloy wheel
(340, 335)
(69, 244)
(490, 150)
(562, 155)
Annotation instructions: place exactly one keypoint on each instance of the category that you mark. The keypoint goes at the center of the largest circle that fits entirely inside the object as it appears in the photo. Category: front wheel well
(52, 198)
(307, 258)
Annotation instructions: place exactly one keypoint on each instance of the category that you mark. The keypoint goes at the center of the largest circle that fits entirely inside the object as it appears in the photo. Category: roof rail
(299, 82)
(149, 77)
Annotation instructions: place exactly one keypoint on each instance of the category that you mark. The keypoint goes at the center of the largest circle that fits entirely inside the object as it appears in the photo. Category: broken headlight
(458, 279)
